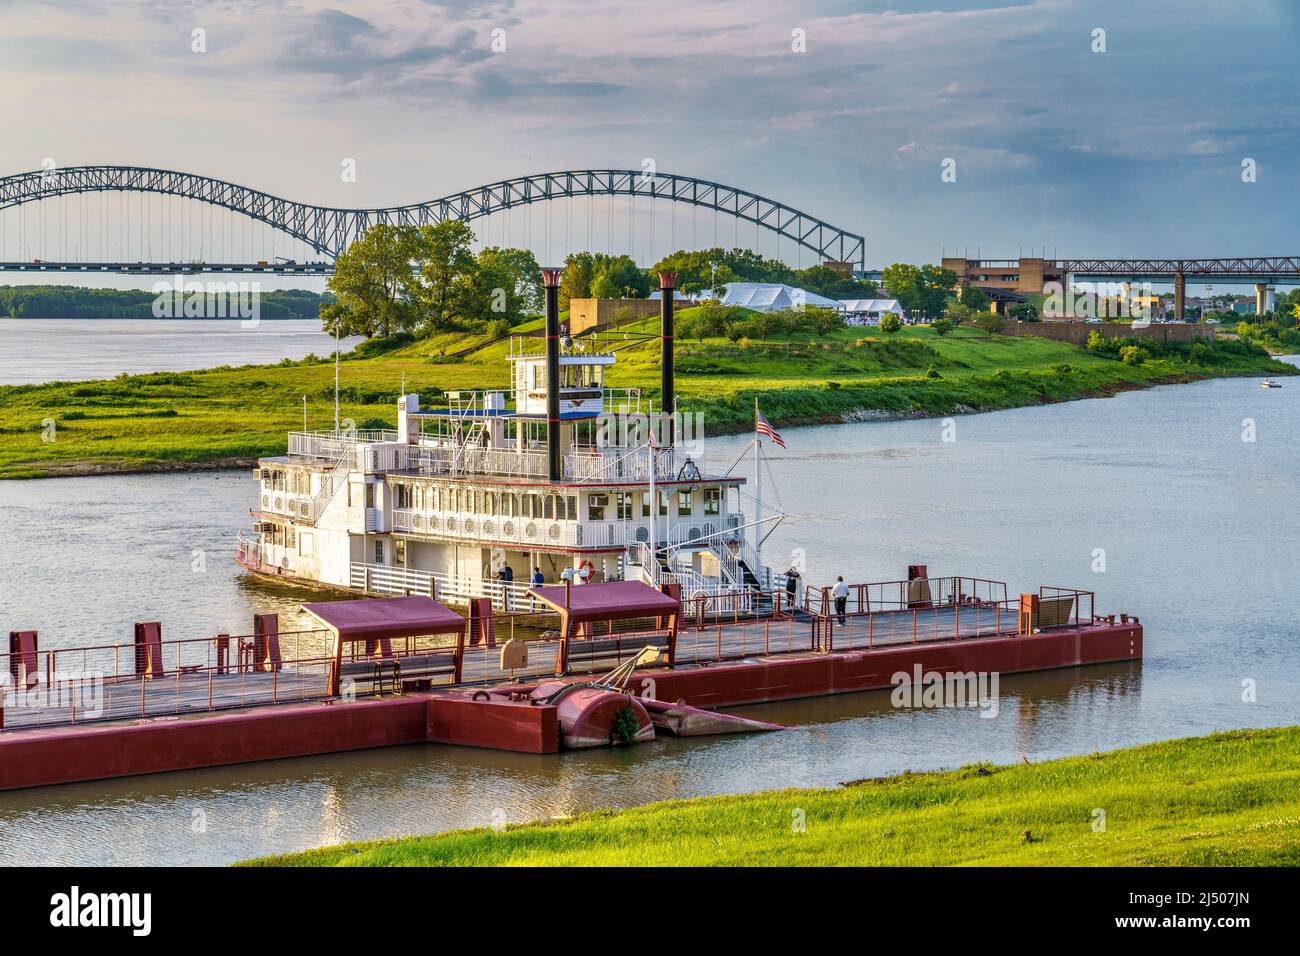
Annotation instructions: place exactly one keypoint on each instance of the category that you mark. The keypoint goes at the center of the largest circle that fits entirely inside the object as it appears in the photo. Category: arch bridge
(329, 230)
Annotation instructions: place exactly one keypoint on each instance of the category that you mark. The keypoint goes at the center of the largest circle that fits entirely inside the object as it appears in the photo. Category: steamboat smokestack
(667, 285)
(551, 281)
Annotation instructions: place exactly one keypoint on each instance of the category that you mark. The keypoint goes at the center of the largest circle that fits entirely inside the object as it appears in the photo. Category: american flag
(763, 427)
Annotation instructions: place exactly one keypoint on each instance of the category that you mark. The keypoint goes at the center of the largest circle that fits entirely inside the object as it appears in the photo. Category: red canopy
(378, 618)
(608, 601)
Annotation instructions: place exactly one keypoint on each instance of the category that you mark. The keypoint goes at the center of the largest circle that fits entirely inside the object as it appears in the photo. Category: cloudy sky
(1136, 150)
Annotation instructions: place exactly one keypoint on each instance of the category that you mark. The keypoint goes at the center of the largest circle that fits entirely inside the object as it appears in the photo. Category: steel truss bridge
(330, 230)
(1263, 269)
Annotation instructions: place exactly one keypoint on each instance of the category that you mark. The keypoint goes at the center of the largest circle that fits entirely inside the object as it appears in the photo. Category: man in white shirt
(841, 594)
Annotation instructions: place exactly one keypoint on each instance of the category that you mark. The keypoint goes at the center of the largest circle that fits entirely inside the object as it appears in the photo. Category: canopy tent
(378, 620)
(606, 601)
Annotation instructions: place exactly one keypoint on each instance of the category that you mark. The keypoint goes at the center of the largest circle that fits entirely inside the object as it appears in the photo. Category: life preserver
(588, 567)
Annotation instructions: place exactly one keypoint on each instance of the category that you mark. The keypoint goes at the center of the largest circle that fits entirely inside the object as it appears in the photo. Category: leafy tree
(889, 324)
(448, 274)
(922, 291)
(990, 323)
(695, 270)
(903, 282)
(1025, 312)
(374, 288)
(959, 312)
(942, 326)
(575, 283)
(974, 298)
(505, 286)
(622, 277)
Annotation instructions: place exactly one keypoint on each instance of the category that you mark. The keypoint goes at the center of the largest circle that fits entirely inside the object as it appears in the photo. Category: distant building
(869, 311)
(1012, 275)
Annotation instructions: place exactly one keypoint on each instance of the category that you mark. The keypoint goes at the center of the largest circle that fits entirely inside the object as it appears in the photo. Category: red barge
(622, 661)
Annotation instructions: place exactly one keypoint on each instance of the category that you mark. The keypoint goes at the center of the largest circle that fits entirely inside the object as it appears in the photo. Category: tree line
(74, 302)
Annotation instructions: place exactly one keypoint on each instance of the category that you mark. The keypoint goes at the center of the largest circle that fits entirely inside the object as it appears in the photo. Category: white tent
(772, 296)
(869, 311)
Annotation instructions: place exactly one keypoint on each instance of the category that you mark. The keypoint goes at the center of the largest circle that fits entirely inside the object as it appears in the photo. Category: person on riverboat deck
(841, 593)
(538, 580)
(792, 587)
(507, 576)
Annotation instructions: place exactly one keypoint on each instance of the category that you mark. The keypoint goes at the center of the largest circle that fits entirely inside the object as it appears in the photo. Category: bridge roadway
(199, 689)
(318, 268)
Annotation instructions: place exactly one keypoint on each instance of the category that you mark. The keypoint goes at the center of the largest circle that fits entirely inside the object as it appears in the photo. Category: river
(44, 350)
(1197, 528)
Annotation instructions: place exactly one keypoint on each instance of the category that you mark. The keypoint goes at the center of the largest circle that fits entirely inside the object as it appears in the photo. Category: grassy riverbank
(1229, 799)
(228, 416)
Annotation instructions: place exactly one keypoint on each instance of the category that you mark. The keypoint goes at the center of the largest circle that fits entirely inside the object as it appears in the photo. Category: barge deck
(73, 714)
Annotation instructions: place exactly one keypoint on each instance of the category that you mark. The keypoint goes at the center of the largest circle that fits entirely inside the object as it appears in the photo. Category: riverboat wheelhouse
(560, 472)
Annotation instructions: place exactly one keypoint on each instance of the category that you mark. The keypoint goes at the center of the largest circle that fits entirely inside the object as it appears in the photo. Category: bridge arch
(329, 230)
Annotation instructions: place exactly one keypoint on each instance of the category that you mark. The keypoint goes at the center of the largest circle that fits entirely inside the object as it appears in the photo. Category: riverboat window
(507, 505)
(645, 504)
(306, 544)
(379, 551)
(683, 504)
(489, 502)
(712, 501)
(548, 507)
(596, 507)
(289, 533)
(370, 495)
(399, 551)
(624, 501)
(403, 496)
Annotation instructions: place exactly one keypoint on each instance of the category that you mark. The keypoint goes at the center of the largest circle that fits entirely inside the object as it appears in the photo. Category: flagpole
(758, 498)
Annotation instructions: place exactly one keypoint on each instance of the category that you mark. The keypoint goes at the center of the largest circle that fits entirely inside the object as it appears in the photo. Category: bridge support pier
(1265, 300)
(1180, 295)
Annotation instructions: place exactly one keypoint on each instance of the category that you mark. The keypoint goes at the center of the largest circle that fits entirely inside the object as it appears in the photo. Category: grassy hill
(1229, 799)
(229, 415)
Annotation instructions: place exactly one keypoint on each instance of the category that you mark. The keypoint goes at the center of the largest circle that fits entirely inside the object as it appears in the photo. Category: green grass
(220, 415)
(1229, 799)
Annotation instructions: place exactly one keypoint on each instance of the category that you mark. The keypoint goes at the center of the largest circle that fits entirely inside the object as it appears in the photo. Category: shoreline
(1027, 814)
(90, 468)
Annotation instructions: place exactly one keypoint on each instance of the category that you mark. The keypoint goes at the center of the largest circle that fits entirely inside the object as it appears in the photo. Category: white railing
(333, 445)
(386, 579)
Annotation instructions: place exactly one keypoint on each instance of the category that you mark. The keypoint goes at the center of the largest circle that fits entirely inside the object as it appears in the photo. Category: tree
(507, 285)
(890, 323)
(448, 273)
(374, 287)
(621, 277)
(990, 322)
(575, 283)
(942, 326)
(959, 312)
(922, 291)
(903, 282)
(975, 298)
(1025, 312)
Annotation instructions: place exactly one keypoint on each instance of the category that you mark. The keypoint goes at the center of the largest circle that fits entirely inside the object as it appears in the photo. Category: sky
(1083, 128)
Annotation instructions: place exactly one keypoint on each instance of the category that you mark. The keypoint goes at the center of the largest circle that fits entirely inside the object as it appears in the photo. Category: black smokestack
(667, 285)
(551, 280)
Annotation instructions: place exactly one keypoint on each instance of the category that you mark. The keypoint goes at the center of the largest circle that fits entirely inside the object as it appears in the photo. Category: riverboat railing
(895, 595)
